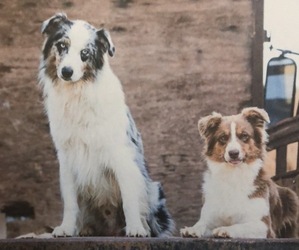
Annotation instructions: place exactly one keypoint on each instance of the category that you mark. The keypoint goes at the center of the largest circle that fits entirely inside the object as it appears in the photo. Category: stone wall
(178, 60)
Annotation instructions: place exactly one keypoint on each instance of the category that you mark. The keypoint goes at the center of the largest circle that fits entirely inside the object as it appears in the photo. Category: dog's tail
(159, 221)
(290, 205)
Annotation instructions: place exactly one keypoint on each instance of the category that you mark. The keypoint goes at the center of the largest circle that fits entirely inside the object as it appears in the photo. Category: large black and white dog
(104, 182)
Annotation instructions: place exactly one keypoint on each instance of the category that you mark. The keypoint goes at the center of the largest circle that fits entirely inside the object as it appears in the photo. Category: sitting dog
(105, 185)
(239, 200)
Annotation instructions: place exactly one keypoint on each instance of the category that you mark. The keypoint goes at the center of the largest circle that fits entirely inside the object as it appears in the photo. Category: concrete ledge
(111, 243)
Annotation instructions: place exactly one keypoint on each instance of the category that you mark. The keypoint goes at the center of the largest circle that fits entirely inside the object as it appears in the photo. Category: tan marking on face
(89, 72)
(51, 68)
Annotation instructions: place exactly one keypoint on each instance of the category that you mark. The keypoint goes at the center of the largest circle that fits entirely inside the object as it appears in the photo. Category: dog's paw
(64, 231)
(191, 232)
(222, 232)
(87, 231)
(136, 231)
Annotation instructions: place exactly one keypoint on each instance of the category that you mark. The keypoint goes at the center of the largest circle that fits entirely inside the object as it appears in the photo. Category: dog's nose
(67, 73)
(234, 154)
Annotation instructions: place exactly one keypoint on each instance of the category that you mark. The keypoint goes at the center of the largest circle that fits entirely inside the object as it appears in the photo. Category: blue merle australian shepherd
(104, 182)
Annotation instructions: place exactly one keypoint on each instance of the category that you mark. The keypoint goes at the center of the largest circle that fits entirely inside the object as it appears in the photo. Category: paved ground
(130, 243)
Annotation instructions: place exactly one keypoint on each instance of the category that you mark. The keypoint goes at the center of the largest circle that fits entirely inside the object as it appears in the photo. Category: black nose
(234, 154)
(67, 73)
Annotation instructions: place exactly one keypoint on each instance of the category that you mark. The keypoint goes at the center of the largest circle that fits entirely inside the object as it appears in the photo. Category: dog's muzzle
(234, 157)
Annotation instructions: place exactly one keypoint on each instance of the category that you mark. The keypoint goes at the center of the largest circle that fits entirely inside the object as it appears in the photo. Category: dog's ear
(53, 23)
(256, 116)
(105, 39)
(209, 124)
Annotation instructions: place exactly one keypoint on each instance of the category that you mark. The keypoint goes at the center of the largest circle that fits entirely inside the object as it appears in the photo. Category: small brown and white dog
(239, 200)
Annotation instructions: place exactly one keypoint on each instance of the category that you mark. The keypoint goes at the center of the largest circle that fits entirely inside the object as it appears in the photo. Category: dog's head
(235, 139)
(74, 50)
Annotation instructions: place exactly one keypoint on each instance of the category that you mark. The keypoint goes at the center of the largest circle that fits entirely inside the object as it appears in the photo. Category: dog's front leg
(70, 206)
(253, 229)
(134, 196)
(200, 229)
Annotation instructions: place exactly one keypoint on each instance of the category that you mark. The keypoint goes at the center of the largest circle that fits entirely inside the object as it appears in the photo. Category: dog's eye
(85, 54)
(61, 46)
(244, 137)
(223, 139)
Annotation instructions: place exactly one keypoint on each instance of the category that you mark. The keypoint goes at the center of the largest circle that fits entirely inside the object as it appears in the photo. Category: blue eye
(85, 54)
(61, 47)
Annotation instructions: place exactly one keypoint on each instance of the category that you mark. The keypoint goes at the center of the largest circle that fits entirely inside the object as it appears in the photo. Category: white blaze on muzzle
(233, 152)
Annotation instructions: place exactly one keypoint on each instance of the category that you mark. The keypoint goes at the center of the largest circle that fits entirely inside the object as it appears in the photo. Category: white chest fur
(226, 191)
(87, 121)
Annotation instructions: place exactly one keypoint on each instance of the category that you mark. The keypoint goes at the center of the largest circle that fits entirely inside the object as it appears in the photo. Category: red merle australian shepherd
(239, 200)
